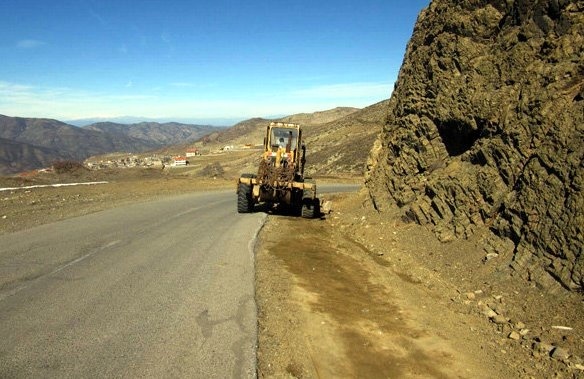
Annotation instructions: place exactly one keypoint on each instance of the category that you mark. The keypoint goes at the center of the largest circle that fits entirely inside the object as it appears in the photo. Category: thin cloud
(126, 97)
(102, 21)
(61, 103)
(6, 87)
(182, 84)
(346, 90)
(192, 85)
(165, 37)
(69, 103)
(29, 44)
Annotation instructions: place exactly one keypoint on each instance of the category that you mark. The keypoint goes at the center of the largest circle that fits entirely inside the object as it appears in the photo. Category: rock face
(486, 128)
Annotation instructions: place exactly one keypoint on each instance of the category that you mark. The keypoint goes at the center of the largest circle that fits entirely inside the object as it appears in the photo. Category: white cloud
(29, 44)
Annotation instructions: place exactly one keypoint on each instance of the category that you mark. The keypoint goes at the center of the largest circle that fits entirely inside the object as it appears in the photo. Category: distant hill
(18, 156)
(220, 122)
(246, 132)
(35, 142)
(66, 139)
(169, 133)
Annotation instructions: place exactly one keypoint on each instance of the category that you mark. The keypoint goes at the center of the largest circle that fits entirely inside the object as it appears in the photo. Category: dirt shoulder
(359, 294)
(25, 208)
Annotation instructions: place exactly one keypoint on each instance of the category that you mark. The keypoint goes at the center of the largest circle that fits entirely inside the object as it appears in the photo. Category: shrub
(213, 170)
(67, 166)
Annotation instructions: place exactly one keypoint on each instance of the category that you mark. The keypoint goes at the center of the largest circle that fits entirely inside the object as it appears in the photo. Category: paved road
(161, 289)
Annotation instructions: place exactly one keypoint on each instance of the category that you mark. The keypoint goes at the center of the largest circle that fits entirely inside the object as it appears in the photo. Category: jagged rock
(486, 128)
(499, 319)
(519, 325)
(326, 207)
(542, 348)
(560, 354)
(485, 310)
(514, 336)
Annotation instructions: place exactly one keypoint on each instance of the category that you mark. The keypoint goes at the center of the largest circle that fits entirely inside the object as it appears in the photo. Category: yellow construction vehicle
(280, 178)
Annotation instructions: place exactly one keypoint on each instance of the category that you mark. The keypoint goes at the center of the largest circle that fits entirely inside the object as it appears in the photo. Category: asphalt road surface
(159, 289)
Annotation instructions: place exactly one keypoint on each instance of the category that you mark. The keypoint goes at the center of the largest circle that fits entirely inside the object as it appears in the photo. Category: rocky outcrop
(486, 128)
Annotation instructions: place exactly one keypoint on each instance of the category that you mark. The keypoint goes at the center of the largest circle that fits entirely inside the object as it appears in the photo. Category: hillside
(338, 140)
(252, 131)
(485, 130)
(63, 140)
(246, 132)
(341, 147)
(321, 117)
(19, 156)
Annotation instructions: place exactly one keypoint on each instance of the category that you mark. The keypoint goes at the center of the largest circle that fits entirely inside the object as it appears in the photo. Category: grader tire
(310, 208)
(244, 199)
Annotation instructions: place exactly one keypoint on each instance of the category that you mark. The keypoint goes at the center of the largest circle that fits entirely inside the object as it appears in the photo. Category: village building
(179, 161)
(192, 152)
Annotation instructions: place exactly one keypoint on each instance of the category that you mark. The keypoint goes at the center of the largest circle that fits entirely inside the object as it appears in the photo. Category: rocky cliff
(486, 130)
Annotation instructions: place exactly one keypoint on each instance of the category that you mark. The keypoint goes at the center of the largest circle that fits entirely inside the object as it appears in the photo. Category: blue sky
(182, 59)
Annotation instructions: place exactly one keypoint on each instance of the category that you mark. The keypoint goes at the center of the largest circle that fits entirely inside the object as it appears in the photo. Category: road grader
(280, 180)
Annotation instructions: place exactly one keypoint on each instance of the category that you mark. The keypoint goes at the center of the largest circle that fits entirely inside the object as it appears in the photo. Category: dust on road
(326, 311)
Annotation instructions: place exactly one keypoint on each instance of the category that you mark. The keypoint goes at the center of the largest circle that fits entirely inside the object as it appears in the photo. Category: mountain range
(29, 143)
(338, 139)
(221, 122)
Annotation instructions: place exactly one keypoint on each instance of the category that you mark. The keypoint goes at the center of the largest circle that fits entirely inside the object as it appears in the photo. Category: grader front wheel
(310, 208)
(244, 198)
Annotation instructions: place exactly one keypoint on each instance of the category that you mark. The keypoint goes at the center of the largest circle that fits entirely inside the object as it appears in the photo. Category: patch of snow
(51, 185)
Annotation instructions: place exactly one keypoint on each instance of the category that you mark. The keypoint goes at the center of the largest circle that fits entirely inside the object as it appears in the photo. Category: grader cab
(280, 179)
